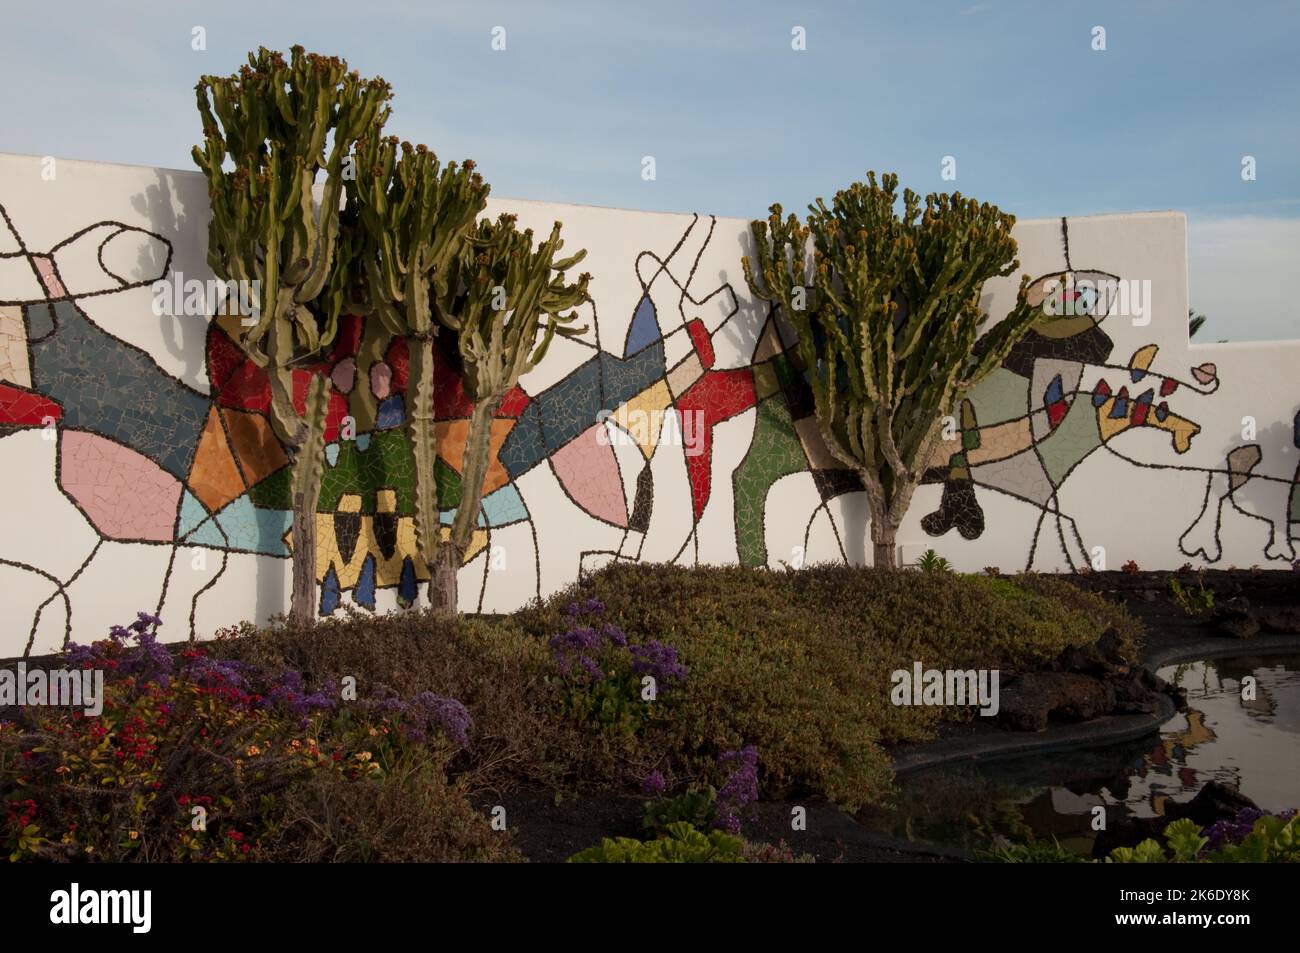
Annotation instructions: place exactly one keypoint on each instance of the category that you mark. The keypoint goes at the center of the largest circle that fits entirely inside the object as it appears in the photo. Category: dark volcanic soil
(547, 832)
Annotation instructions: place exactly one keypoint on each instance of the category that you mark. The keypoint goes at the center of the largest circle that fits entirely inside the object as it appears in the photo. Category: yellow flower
(135, 835)
(253, 750)
(363, 755)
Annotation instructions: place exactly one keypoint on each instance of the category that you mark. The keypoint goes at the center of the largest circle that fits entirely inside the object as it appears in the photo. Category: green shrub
(796, 663)
(799, 663)
(696, 806)
(680, 844)
(930, 561)
(1193, 602)
(1271, 839)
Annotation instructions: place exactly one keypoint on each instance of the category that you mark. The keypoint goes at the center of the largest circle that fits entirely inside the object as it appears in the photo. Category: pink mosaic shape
(125, 495)
(588, 471)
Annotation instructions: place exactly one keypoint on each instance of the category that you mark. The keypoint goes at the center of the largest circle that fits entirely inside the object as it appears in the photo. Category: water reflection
(1247, 740)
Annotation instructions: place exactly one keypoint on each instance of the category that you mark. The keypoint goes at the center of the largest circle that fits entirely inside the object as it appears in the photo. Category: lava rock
(1239, 628)
(1283, 620)
(1238, 607)
(1029, 701)
(1214, 802)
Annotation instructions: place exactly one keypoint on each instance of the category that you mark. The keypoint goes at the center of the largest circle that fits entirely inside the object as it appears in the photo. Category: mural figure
(626, 440)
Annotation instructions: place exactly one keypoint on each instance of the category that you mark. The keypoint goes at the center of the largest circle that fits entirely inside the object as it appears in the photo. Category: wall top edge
(511, 200)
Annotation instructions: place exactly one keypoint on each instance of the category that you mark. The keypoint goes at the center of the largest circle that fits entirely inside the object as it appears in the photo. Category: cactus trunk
(443, 581)
(443, 591)
(424, 447)
(308, 470)
(477, 449)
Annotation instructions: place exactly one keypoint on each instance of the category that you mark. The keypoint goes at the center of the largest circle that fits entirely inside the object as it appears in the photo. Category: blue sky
(1037, 121)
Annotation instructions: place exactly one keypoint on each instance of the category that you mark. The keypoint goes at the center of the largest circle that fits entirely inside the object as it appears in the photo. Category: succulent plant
(415, 217)
(888, 321)
(265, 135)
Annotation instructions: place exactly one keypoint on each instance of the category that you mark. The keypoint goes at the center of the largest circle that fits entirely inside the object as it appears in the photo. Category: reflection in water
(1247, 740)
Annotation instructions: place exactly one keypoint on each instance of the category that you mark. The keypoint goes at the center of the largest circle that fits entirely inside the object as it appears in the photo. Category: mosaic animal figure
(1272, 501)
(1055, 401)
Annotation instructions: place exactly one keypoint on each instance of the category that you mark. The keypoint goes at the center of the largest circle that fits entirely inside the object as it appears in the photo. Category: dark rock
(1100, 660)
(1238, 607)
(1282, 620)
(1214, 802)
(1239, 628)
(1108, 645)
(1135, 693)
(1031, 700)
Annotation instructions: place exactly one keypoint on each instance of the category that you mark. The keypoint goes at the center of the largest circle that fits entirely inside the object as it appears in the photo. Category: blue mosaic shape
(106, 386)
(504, 506)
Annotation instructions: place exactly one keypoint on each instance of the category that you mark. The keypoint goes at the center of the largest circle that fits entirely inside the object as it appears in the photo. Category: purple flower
(740, 789)
(1234, 829)
(448, 714)
(592, 606)
(218, 672)
(653, 784)
(148, 660)
(658, 660)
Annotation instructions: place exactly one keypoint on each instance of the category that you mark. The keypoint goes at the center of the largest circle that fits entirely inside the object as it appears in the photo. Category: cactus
(415, 218)
(506, 287)
(888, 324)
(271, 122)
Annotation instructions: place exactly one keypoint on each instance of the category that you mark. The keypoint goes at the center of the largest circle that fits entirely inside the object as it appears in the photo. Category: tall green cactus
(888, 323)
(506, 287)
(416, 217)
(271, 123)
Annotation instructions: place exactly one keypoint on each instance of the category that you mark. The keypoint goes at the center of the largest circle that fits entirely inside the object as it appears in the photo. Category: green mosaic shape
(765, 379)
(1002, 396)
(774, 452)
(448, 485)
(1075, 437)
(273, 492)
(386, 464)
(785, 372)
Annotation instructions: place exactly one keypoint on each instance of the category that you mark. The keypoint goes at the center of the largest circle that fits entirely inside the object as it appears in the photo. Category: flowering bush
(740, 789)
(705, 806)
(605, 676)
(194, 758)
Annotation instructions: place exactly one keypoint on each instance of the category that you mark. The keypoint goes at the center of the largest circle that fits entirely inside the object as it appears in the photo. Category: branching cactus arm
(892, 340)
(416, 216)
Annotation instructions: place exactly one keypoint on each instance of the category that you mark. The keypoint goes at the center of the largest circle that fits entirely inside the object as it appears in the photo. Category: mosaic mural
(681, 431)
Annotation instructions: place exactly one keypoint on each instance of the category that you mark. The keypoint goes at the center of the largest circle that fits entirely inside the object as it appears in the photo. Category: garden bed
(791, 670)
